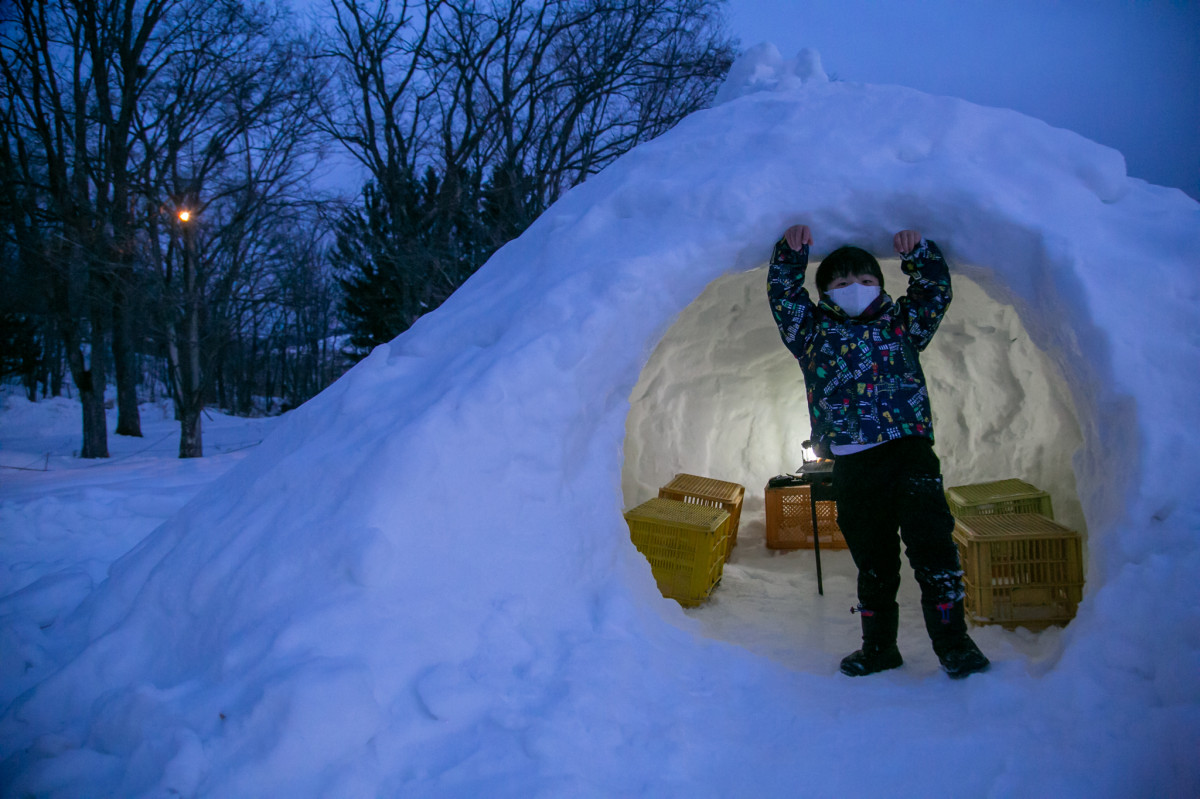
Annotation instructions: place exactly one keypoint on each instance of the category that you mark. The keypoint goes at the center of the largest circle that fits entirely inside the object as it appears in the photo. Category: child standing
(869, 407)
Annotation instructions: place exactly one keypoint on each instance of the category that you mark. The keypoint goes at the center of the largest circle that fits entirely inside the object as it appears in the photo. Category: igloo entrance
(720, 396)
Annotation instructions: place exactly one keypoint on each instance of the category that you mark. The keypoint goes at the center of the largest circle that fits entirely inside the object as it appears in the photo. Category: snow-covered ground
(64, 514)
(65, 520)
(420, 583)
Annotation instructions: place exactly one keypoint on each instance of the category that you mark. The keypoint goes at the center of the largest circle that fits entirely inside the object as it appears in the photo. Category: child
(869, 406)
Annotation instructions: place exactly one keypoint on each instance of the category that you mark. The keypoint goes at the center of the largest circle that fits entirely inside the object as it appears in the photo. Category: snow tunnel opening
(720, 396)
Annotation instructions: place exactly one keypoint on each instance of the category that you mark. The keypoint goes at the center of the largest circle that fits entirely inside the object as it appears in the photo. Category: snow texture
(421, 583)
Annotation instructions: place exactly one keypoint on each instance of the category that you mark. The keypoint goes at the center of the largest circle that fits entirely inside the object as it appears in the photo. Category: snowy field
(419, 584)
(66, 519)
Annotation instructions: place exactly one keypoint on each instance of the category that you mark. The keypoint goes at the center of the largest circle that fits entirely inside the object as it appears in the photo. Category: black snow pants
(893, 487)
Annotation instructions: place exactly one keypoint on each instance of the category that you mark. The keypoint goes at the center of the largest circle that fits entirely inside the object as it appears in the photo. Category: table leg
(812, 504)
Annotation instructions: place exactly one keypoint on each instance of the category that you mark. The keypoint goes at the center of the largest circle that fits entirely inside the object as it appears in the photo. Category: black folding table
(818, 476)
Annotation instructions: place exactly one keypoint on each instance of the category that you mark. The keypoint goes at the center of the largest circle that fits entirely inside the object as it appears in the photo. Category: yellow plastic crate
(685, 544)
(998, 496)
(789, 520)
(713, 493)
(1020, 569)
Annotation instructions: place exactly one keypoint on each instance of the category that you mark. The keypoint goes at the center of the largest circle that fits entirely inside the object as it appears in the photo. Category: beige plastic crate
(1020, 569)
(711, 492)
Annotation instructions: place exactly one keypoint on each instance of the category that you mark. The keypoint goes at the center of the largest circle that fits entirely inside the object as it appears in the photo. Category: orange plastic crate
(713, 493)
(789, 520)
(685, 544)
(1020, 569)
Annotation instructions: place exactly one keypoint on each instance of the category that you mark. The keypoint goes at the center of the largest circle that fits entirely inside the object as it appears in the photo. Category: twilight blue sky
(1125, 73)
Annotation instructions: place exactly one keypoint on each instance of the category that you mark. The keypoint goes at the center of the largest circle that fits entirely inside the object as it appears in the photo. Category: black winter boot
(879, 652)
(871, 659)
(947, 627)
(962, 658)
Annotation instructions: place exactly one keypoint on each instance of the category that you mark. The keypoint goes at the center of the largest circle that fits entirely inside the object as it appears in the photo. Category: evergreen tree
(508, 204)
(405, 250)
(400, 254)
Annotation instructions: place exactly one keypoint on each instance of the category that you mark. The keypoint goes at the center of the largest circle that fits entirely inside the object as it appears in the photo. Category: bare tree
(307, 303)
(472, 117)
(74, 71)
(379, 51)
(469, 117)
(79, 72)
(554, 91)
(228, 159)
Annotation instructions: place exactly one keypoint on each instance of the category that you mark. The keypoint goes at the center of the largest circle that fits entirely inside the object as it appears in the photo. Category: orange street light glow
(185, 216)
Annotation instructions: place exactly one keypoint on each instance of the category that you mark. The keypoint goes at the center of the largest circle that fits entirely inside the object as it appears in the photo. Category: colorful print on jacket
(863, 375)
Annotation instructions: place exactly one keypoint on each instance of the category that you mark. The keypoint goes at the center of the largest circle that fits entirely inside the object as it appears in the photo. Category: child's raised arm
(929, 292)
(790, 304)
(798, 235)
(906, 241)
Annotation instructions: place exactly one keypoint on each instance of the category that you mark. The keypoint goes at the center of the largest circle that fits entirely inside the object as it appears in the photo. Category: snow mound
(421, 584)
(762, 68)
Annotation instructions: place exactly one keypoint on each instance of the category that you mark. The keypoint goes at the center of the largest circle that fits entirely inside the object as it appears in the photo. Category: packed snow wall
(422, 584)
(721, 396)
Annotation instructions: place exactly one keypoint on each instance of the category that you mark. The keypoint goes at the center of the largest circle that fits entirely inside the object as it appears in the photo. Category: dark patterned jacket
(863, 375)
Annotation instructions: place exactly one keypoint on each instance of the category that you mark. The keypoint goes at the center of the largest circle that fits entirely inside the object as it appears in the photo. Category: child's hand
(906, 241)
(798, 235)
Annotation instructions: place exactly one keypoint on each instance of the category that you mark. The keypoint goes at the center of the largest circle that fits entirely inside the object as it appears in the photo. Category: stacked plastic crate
(1020, 567)
(687, 533)
(713, 493)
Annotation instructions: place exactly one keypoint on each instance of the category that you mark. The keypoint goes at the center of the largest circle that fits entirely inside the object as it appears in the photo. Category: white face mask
(854, 298)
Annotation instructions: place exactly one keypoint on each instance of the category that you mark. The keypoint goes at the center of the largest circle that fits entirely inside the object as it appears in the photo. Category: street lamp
(189, 377)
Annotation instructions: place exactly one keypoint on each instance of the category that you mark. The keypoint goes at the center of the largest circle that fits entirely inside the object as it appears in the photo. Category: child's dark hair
(845, 262)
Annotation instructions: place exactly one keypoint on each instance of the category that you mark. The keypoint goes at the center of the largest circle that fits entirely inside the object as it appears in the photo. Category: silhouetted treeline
(167, 217)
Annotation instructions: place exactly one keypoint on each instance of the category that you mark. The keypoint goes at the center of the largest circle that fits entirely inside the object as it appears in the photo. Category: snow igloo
(422, 583)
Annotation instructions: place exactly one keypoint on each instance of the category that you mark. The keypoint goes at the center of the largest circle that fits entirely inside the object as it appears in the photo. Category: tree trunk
(90, 383)
(55, 366)
(125, 371)
(191, 442)
(89, 377)
(95, 424)
(190, 397)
